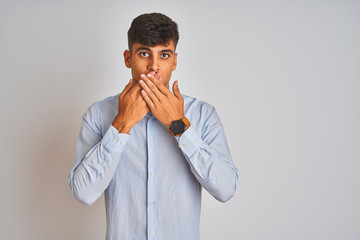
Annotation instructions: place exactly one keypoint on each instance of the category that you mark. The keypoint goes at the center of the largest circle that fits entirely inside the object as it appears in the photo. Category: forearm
(98, 152)
(211, 164)
(92, 173)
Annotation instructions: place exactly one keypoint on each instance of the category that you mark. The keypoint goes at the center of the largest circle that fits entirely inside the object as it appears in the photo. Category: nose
(153, 65)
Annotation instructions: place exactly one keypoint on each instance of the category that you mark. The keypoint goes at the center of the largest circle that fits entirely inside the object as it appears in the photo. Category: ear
(175, 62)
(127, 58)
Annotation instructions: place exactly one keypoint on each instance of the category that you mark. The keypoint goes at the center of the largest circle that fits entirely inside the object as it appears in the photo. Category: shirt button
(114, 140)
(102, 163)
(152, 203)
(122, 143)
(152, 174)
(198, 168)
(152, 233)
(152, 145)
(184, 145)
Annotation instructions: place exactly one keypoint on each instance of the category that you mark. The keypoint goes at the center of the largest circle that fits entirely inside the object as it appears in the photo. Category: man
(150, 150)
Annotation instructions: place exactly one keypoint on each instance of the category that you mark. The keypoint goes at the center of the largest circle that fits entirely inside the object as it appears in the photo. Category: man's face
(143, 60)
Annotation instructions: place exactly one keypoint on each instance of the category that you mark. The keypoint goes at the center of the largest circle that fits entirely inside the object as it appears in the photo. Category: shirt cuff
(189, 142)
(113, 141)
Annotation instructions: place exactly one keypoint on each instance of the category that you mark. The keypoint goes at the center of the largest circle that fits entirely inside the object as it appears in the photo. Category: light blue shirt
(151, 179)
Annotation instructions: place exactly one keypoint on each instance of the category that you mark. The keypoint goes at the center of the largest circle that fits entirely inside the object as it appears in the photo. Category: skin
(151, 69)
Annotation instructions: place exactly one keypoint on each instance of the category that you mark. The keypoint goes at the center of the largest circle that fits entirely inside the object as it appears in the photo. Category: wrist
(168, 124)
(122, 126)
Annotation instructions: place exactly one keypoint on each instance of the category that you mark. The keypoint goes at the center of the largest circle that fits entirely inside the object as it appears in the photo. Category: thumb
(127, 87)
(176, 90)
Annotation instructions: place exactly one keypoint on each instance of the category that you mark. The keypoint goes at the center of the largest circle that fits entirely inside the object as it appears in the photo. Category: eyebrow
(149, 50)
(167, 51)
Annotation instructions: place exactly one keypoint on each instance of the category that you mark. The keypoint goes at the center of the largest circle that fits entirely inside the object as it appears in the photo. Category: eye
(165, 55)
(144, 54)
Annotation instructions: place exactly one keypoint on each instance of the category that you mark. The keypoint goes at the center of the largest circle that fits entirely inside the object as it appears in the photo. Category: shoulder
(199, 112)
(202, 116)
(101, 113)
(105, 104)
(102, 108)
(109, 101)
(194, 104)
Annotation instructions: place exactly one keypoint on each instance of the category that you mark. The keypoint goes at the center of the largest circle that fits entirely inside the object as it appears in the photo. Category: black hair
(153, 29)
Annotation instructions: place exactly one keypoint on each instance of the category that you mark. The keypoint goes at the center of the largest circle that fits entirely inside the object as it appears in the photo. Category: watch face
(177, 127)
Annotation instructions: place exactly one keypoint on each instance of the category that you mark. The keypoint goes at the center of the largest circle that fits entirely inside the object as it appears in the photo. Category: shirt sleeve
(96, 158)
(209, 157)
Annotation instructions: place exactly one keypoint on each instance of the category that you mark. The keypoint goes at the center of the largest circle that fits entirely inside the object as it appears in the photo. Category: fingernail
(143, 75)
(149, 75)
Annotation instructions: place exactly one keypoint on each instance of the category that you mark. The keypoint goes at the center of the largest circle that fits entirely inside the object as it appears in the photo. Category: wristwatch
(177, 127)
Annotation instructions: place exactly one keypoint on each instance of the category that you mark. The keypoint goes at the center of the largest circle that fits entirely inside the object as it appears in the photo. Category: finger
(127, 88)
(136, 87)
(176, 90)
(150, 84)
(157, 80)
(147, 99)
(148, 92)
(158, 76)
(158, 84)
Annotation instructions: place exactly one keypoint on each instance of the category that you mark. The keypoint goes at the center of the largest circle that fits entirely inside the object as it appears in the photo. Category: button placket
(151, 185)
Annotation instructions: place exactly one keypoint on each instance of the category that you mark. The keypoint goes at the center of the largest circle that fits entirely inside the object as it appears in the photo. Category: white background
(283, 75)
